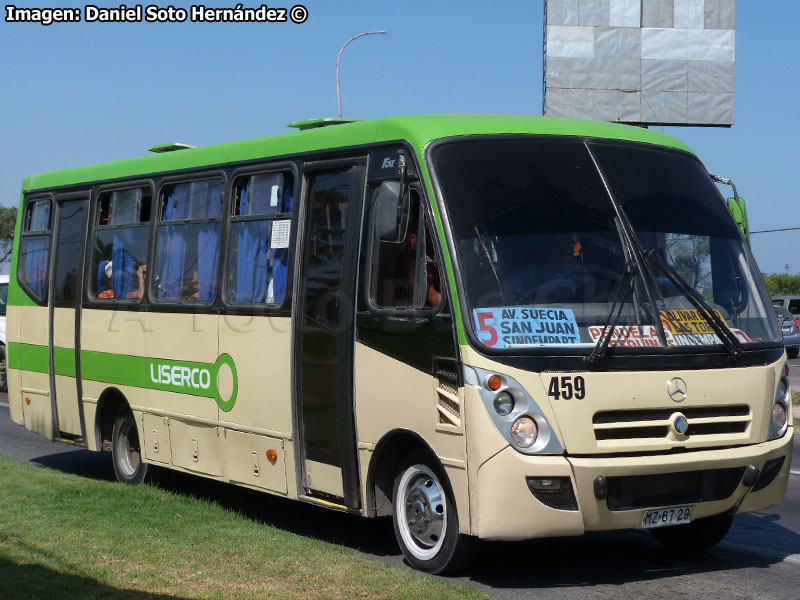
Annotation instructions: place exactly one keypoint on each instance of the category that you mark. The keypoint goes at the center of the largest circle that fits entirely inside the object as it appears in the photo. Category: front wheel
(697, 535)
(126, 451)
(425, 518)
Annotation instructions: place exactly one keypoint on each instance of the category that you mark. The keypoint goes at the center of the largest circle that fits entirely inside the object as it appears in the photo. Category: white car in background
(3, 298)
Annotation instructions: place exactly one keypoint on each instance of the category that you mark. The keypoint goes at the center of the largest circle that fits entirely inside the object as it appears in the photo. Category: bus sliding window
(258, 260)
(187, 241)
(121, 239)
(34, 248)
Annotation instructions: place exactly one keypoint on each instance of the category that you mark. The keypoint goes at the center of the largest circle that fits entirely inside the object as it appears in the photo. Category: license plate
(664, 517)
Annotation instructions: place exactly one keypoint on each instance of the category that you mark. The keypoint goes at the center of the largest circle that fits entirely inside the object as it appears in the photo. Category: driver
(550, 272)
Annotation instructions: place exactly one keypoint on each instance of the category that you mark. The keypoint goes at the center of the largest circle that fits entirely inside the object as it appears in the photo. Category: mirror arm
(401, 167)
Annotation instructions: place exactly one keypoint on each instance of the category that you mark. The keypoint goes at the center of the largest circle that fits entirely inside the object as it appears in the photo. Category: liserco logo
(197, 379)
(218, 381)
(180, 376)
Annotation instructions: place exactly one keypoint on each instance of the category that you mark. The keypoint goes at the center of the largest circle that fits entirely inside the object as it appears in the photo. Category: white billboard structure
(646, 62)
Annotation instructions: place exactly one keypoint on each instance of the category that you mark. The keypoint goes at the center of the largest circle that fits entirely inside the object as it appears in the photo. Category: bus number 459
(567, 388)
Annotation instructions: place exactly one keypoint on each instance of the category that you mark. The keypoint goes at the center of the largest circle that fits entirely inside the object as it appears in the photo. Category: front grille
(655, 423)
(669, 489)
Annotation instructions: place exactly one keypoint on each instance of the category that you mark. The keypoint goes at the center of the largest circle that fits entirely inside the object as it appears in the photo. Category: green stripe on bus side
(182, 377)
(64, 361)
(28, 357)
(32, 357)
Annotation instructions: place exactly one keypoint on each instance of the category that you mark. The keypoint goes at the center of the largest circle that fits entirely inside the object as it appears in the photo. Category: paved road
(760, 557)
(794, 374)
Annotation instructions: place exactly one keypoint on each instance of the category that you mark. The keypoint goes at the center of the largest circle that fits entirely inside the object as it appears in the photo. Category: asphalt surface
(794, 374)
(760, 557)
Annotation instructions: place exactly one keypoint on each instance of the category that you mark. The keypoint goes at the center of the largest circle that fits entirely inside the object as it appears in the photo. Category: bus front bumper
(512, 501)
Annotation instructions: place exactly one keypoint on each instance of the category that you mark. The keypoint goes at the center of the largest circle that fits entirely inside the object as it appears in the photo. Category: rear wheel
(425, 518)
(698, 535)
(126, 450)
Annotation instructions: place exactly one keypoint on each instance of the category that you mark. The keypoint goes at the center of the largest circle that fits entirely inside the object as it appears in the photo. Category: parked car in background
(3, 298)
(790, 325)
(790, 303)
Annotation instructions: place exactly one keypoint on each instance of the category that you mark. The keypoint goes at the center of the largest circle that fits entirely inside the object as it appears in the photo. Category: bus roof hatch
(321, 122)
(171, 147)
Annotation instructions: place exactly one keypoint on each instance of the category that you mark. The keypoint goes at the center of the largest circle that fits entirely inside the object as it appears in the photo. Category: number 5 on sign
(484, 327)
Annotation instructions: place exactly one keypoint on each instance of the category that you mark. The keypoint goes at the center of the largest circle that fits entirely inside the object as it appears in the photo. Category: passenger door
(65, 289)
(324, 330)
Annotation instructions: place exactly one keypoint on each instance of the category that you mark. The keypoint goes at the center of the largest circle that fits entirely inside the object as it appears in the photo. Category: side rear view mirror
(391, 211)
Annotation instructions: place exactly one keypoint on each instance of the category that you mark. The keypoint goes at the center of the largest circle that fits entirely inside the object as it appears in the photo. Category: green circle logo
(225, 362)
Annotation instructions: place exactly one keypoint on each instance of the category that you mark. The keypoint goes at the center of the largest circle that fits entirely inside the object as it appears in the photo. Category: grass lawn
(796, 398)
(64, 536)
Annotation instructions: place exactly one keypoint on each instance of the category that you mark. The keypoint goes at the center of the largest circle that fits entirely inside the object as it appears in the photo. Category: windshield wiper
(601, 347)
(732, 344)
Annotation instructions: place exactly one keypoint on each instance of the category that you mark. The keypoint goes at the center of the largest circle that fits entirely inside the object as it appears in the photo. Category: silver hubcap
(128, 449)
(424, 518)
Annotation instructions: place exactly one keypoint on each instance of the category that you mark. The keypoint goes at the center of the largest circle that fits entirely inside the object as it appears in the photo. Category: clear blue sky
(76, 94)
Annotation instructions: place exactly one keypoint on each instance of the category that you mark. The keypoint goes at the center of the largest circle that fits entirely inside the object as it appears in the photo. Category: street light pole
(338, 89)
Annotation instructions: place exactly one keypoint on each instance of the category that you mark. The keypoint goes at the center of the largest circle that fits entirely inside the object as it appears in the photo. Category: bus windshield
(542, 256)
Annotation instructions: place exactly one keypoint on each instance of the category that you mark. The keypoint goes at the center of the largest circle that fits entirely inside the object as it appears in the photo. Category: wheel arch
(108, 405)
(389, 452)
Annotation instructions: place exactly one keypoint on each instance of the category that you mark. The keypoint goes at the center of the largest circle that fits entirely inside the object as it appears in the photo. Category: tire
(126, 451)
(425, 518)
(792, 352)
(697, 536)
(4, 374)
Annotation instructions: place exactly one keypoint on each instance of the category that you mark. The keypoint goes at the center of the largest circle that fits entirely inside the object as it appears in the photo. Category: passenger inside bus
(105, 281)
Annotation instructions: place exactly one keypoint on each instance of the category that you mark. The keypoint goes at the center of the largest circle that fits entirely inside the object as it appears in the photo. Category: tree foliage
(8, 220)
(780, 284)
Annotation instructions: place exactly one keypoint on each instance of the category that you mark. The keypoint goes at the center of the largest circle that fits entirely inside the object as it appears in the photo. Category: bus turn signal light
(494, 382)
(27, 400)
(272, 456)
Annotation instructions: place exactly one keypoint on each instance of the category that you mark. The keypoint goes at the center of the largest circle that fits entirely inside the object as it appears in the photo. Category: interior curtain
(123, 265)
(34, 252)
(172, 245)
(280, 256)
(252, 261)
(208, 241)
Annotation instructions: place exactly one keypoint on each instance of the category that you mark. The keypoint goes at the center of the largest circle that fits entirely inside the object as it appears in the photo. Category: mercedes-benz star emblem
(677, 390)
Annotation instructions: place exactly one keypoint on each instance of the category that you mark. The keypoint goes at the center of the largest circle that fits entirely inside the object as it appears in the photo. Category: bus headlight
(503, 403)
(780, 409)
(524, 432)
(517, 416)
(778, 416)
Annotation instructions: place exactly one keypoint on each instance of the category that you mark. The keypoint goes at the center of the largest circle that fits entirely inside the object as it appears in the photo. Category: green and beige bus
(488, 327)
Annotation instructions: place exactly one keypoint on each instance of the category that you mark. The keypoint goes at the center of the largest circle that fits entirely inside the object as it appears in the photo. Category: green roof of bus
(419, 130)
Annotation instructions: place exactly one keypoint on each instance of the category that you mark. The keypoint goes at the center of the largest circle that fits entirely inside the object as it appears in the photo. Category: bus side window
(258, 260)
(121, 239)
(34, 248)
(405, 275)
(187, 241)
